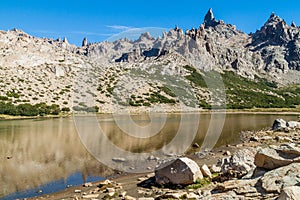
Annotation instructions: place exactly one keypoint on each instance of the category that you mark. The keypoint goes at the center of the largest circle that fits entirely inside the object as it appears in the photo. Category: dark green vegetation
(243, 93)
(40, 109)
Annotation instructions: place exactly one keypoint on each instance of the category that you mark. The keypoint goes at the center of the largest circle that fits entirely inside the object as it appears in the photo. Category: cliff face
(135, 73)
(215, 45)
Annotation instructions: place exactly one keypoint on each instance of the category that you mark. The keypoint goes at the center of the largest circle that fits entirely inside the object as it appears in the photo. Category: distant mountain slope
(203, 67)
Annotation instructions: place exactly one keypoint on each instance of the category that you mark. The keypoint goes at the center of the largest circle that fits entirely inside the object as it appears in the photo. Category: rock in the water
(180, 171)
(290, 193)
(269, 158)
(275, 180)
(279, 124)
(205, 171)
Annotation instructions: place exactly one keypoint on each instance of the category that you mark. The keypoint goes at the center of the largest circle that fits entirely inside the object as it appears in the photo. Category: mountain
(260, 69)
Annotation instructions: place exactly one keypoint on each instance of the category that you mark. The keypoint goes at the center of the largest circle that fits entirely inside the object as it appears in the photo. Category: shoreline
(130, 184)
(228, 111)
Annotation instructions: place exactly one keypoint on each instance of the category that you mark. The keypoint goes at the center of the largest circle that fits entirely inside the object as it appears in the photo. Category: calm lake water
(40, 156)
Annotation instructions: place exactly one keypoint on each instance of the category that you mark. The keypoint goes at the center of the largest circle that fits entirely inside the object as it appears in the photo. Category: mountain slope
(177, 71)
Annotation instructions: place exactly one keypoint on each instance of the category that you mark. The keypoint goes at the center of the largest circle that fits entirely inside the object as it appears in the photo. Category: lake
(40, 156)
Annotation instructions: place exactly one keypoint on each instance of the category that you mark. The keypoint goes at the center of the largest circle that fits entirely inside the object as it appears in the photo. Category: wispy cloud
(90, 33)
(119, 27)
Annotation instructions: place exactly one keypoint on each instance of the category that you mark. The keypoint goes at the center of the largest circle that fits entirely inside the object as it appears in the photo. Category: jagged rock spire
(209, 16)
(209, 19)
(65, 40)
(84, 42)
(293, 24)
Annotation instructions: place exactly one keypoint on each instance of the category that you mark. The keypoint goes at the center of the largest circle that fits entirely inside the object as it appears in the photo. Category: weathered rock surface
(270, 158)
(275, 180)
(180, 171)
(290, 193)
(239, 164)
(279, 124)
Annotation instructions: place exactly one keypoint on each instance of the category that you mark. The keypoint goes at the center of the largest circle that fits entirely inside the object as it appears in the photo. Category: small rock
(215, 169)
(111, 191)
(88, 185)
(226, 153)
(205, 171)
(119, 159)
(146, 198)
(77, 191)
(266, 138)
(90, 196)
(254, 139)
(129, 198)
(196, 145)
(8, 157)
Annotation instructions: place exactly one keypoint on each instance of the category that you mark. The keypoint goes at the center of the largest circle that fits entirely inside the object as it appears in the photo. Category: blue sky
(100, 19)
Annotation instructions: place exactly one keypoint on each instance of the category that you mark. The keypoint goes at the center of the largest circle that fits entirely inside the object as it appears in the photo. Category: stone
(111, 191)
(84, 42)
(215, 169)
(269, 158)
(290, 193)
(293, 124)
(226, 153)
(90, 196)
(205, 171)
(181, 171)
(239, 164)
(279, 124)
(275, 180)
(77, 191)
(88, 185)
(119, 159)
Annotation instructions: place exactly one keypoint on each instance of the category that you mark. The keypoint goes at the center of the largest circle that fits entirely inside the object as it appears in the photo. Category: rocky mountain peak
(209, 19)
(84, 42)
(145, 36)
(274, 20)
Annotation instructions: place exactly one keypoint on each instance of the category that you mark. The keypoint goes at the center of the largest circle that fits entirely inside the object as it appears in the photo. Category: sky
(101, 20)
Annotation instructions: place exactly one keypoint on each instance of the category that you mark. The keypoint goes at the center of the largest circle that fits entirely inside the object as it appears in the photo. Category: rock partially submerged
(182, 171)
(280, 124)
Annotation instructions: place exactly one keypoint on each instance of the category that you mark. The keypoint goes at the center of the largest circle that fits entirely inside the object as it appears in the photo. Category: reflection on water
(44, 151)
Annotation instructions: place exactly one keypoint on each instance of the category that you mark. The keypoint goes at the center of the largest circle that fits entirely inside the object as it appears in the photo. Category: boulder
(181, 171)
(239, 164)
(293, 124)
(290, 193)
(279, 124)
(270, 158)
(275, 180)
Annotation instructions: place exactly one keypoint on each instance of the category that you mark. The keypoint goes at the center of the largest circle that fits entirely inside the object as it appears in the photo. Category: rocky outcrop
(272, 158)
(182, 171)
(290, 193)
(237, 165)
(275, 180)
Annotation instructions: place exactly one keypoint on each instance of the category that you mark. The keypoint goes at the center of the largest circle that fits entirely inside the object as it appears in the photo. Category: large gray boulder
(270, 158)
(275, 180)
(182, 171)
(290, 193)
(293, 124)
(279, 124)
